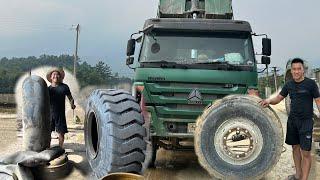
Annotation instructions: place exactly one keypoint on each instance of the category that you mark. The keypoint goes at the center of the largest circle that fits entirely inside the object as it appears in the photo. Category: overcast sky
(35, 27)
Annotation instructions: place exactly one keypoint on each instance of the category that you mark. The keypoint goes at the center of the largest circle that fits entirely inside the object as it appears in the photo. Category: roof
(198, 24)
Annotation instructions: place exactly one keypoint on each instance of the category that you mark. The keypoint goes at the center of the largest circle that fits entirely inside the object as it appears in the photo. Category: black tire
(114, 133)
(35, 114)
(234, 110)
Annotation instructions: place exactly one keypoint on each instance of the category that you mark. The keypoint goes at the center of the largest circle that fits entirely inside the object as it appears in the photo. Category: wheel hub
(238, 141)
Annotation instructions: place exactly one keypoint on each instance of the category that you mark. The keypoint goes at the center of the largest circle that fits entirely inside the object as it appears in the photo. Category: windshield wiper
(166, 64)
(223, 63)
(212, 62)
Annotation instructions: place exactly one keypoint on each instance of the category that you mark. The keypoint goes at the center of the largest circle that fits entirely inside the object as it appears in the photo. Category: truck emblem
(195, 97)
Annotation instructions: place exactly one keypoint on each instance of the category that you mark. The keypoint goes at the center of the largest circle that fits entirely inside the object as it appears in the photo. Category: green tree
(12, 69)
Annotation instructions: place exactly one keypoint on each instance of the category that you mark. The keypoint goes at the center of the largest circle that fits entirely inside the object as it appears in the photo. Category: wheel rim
(238, 141)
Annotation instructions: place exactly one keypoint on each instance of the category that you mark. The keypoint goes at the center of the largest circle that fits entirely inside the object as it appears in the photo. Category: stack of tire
(37, 128)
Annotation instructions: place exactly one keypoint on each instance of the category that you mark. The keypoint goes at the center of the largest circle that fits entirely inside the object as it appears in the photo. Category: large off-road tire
(114, 133)
(250, 158)
(35, 114)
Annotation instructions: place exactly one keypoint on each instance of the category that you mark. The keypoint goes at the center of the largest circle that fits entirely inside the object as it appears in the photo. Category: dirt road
(171, 165)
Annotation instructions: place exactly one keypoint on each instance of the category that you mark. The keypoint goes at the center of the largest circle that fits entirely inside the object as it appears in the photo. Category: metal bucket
(122, 176)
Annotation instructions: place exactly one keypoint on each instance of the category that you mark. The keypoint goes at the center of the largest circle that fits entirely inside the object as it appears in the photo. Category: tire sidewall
(231, 110)
(101, 160)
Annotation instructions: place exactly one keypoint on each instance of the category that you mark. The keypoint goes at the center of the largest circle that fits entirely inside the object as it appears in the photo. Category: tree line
(98, 74)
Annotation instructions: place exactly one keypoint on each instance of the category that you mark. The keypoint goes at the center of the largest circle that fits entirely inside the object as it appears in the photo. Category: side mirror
(131, 46)
(266, 46)
(129, 60)
(265, 60)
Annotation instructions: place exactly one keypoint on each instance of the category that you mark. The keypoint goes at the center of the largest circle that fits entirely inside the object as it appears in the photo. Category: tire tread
(127, 131)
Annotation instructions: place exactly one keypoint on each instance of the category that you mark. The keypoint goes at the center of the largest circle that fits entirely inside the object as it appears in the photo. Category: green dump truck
(195, 88)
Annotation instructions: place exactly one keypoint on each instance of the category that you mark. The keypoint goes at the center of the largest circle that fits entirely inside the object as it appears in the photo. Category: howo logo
(195, 97)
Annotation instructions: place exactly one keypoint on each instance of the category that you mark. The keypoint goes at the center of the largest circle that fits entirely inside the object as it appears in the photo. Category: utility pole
(275, 78)
(76, 53)
(267, 75)
(267, 88)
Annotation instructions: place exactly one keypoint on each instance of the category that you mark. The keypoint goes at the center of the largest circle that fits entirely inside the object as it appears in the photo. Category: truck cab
(189, 59)
(194, 88)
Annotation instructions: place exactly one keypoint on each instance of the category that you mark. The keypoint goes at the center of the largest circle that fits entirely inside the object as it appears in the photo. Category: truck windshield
(186, 48)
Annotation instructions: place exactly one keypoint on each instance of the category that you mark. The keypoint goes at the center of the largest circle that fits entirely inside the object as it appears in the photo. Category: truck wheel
(114, 133)
(237, 139)
(35, 114)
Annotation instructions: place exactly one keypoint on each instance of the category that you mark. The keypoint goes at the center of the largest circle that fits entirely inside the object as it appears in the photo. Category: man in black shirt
(58, 92)
(302, 91)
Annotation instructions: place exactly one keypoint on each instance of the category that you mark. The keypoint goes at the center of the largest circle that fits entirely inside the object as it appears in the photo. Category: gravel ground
(10, 136)
(169, 165)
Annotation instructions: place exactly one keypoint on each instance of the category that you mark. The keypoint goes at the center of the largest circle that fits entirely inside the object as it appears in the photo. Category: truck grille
(173, 99)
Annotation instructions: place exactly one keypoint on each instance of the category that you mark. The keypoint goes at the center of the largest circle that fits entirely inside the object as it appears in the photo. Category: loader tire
(114, 133)
(222, 155)
(35, 114)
